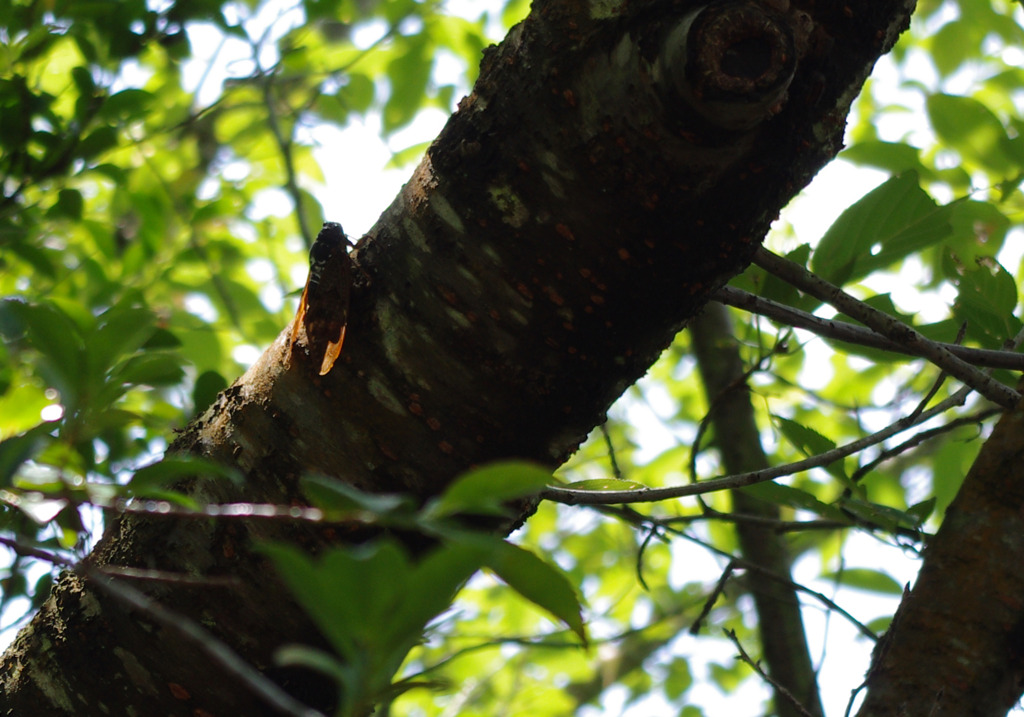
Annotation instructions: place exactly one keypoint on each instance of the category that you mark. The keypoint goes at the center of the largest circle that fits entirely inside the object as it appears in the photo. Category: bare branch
(712, 598)
(919, 438)
(572, 496)
(636, 518)
(764, 675)
(204, 641)
(887, 326)
(28, 551)
(853, 334)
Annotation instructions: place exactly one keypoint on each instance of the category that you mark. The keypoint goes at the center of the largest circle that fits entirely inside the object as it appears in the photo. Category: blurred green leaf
(14, 451)
(207, 386)
(483, 490)
(121, 330)
(331, 494)
(866, 579)
(894, 157)
(174, 468)
(986, 300)
(540, 583)
(974, 131)
(150, 369)
(781, 494)
(890, 222)
(805, 439)
(599, 484)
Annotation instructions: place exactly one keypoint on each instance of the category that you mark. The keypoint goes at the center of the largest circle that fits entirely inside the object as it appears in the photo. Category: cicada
(323, 308)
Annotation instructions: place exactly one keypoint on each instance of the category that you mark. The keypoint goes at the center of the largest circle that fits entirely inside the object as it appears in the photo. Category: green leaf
(372, 603)
(434, 581)
(923, 510)
(333, 495)
(540, 583)
(207, 386)
(121, 329)
(306, 656)
(866, 579)
(483, 490)
(99, 140)
(886, 517)
(973, 130)
(326, 588)
(126, 104)
(409, 75)
(806, 440)
(150, 369)
(781, 494)
(15, 450)
(58, 338)
(893, 157)
(880, 624)
(358, 92)
(986, 300)
(68, 205)
(599, 484)
(889, 223)
(175, 468)
(679, 678)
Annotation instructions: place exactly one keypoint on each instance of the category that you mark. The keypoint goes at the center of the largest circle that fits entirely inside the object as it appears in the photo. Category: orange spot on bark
(178, 692)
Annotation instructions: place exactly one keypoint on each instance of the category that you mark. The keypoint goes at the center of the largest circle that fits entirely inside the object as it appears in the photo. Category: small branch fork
(885, 333)
(572, 496)
(756, 666)
(853, 334)
(888, 327)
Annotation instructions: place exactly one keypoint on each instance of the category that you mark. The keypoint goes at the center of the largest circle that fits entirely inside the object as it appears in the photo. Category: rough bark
(615, 163)
(779, 620)
(956, 644)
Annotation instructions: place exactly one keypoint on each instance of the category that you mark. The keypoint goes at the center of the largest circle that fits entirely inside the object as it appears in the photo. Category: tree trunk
(615, 164)
(738, 440)
(956, 644)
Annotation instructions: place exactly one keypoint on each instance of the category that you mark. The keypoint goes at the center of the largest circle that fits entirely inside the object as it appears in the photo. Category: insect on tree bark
(323, 309)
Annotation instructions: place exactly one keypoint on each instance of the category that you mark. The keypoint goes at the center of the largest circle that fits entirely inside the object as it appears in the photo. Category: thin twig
(204, 641)
(284, 146)
(764, 675)
(574, 496)
(854, 334)
(709, 603)
(28, 551)
(616, 470)
(889, 327)
(164, 576)
(635, 517)
(778, 525)
(919, 438)
(245, 511)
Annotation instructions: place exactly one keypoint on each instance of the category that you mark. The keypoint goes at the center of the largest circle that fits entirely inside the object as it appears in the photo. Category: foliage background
(165, 167)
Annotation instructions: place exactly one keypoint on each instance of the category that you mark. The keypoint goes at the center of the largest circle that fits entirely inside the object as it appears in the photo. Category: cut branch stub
(733, 62)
